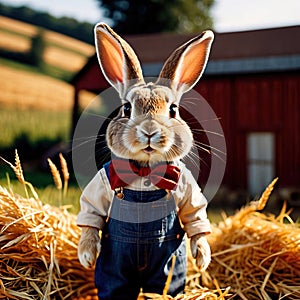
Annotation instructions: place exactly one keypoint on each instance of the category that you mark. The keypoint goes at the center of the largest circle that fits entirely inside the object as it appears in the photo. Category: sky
(228, 15)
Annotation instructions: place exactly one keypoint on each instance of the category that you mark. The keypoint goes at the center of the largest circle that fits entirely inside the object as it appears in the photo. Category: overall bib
(141, 236)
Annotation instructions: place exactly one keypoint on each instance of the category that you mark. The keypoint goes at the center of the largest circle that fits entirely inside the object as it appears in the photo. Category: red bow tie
(124, 172)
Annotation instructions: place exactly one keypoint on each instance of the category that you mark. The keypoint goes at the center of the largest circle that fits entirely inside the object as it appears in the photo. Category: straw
(38, 251)
(256, 254)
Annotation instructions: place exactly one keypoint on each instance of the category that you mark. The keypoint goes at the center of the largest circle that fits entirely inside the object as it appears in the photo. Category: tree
(37, 49)
(150, 16)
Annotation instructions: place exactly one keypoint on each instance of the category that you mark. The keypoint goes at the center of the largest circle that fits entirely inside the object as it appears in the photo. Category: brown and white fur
(148, 127)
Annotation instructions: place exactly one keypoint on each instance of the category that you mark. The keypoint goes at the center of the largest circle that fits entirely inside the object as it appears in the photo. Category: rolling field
(61, 51)
(22, 89)
(37, 108)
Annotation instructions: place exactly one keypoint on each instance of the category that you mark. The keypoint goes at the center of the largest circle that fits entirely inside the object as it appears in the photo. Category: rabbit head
(148, 128)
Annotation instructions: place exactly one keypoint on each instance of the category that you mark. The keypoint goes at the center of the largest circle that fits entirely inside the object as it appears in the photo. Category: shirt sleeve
(192, 205)
(95, 202)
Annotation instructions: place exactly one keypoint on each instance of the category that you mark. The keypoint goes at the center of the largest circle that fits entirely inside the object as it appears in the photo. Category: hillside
(26, 90)
(23, 89)
(80, 30)
(61, 51)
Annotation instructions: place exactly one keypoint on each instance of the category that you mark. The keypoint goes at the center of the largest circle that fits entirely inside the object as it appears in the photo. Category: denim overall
(138, 245)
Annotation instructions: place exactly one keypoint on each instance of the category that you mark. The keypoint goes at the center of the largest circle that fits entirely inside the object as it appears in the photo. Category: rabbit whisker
(210, 147)
(207, 132)
(212, 152)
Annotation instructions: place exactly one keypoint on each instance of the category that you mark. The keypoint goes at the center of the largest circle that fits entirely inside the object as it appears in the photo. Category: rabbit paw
(201, 251)
(89, 246)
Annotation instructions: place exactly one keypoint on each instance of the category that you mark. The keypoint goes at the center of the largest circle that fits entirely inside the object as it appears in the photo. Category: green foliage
(37, 49)
(150, 16)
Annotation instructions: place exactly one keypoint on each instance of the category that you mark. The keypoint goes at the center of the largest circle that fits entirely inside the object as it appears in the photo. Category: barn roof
(274, 49)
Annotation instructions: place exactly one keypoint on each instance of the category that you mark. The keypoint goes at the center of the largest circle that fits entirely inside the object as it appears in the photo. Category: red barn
(252, 82)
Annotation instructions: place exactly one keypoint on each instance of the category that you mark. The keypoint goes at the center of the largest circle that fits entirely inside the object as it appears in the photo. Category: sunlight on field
(24, 90)
(36, 109)
(48, 194)
(51, 36)
(68, 42)
(12, 42)
(61, 51)
(64, 59)
(17, 26)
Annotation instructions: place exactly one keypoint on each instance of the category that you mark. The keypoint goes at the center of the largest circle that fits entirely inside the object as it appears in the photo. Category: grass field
(61, 51)
(35, 109)
(27, 89)
(34, 124)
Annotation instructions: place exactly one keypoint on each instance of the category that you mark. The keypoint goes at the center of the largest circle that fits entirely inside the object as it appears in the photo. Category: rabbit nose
(152, 136)
(148, 133)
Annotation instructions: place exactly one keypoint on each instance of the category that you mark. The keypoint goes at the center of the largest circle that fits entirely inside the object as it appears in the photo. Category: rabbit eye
(173, 110)
(127, 110)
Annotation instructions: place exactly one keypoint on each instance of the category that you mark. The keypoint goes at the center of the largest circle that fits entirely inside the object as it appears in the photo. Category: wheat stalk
(265, 195)
(55, 174)
(17, 168)
(65, 172)
(56, 178)
(19, 171)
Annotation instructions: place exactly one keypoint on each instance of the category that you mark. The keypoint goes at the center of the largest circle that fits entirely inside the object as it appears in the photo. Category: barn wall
(257, 103)
(93, 80)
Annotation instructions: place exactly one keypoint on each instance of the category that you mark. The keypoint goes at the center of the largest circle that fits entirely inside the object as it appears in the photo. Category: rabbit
(145, 201)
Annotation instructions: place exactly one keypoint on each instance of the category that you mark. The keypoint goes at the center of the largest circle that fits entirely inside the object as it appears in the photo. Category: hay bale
(38, 255)
(38, 251)
(254, 255)
(257, 255)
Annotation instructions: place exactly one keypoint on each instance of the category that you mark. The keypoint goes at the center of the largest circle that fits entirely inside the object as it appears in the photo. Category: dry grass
(51, 36)
(38, 258)
(29, 90)
(64, 59)
(10, 43)
(63, 51)
(255, 255)
(17, 26)
(70, 43)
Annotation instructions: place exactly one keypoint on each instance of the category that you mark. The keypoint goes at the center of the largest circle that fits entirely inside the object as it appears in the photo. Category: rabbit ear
(117, 59)
(186, 64)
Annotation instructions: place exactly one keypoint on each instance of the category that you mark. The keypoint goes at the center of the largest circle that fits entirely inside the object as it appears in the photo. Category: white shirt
(97, 197)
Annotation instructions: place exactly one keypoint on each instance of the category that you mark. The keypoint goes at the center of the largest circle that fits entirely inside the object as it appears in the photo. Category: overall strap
(106, 168)
(118, 191)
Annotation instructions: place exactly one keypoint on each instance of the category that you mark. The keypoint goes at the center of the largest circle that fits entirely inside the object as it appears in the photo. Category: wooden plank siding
(257, 103)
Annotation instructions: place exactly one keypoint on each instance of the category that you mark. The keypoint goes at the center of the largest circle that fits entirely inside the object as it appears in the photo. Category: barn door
(261, 161)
